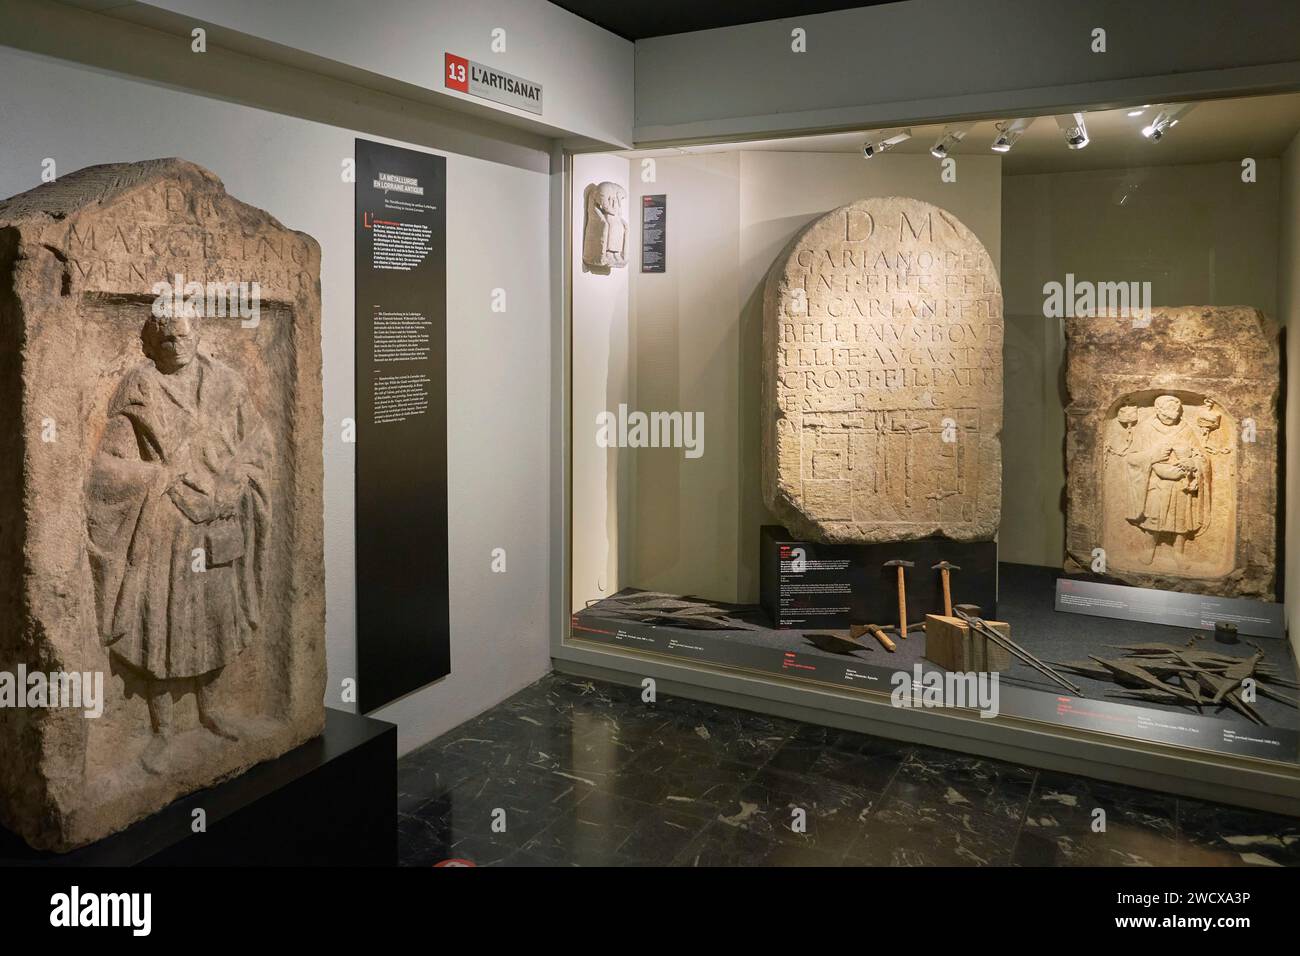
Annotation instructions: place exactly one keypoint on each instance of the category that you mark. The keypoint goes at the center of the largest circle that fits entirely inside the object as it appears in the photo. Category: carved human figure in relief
(1168, 477)
(604, 234)
(178, 512)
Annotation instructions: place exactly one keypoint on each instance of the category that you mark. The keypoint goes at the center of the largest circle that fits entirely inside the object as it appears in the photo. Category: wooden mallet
(944, 567)
(899, 565)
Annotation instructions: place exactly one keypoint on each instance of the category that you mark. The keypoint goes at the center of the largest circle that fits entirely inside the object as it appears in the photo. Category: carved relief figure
(604, 233)
(178, 512)
(1169, 478)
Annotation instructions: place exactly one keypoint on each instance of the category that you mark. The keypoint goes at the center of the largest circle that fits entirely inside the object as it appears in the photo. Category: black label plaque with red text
(403, 626)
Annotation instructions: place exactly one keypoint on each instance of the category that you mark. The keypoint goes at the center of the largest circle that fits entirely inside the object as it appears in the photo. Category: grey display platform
(1026, 601)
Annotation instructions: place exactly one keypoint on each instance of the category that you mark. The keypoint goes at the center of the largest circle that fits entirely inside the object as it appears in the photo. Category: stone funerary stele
(161, 515)
(882, 378)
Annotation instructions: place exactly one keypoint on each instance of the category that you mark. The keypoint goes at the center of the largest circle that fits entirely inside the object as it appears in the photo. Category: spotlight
(952, 135)
(1074, 128)
(884, 140)
(1008, 132)
(1166, 120)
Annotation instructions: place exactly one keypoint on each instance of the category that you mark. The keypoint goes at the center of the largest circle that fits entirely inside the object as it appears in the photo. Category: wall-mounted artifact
(1171, 449)
(161, 522)
(604, 229)
(882, 378)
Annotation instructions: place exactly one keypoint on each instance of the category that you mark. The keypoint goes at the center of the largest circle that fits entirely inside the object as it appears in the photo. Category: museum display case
(984, 419)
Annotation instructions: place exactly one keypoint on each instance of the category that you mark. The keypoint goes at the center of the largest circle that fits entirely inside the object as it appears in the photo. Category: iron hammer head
(900, 564)
(972, 609)
(945, 566)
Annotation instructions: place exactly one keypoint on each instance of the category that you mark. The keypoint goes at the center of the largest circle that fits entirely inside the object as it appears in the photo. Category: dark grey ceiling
(638, 19)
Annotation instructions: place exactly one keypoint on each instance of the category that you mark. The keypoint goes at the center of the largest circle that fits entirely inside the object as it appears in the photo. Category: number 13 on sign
(457, 77)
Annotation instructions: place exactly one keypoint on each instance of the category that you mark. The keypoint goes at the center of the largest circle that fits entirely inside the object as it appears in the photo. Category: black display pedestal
(330, 802)
(846, 584)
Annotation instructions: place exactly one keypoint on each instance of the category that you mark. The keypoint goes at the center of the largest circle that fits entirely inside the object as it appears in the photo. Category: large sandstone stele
(79, 259)
(882, 378)
(1222, 363)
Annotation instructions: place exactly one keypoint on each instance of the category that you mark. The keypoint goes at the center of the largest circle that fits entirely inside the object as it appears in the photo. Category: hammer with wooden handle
(874, 630)
(944, 567)
(899, 565)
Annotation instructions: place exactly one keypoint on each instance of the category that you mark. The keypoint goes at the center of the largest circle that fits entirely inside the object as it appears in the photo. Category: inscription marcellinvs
(882, 362)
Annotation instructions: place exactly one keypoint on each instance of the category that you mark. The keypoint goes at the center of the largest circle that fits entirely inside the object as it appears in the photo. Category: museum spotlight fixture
(1166, 120)
(883, 140)
(950, 137)
(1074, 128)
(1008, 132)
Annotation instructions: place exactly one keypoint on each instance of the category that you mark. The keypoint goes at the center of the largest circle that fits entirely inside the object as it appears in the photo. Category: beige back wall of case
(1197, 233)
(696, 338)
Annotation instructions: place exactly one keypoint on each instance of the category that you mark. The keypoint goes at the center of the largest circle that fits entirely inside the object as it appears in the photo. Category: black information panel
(654, 233)
(839, 585)
(401, 399)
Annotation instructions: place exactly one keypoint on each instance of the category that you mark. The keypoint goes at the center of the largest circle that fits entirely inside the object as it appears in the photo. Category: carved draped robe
(183, 464)
(1163, 497)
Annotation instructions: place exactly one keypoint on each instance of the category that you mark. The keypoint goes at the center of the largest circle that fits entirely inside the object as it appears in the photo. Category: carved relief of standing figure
(604, 234)
(178, 512)
(1168, 474)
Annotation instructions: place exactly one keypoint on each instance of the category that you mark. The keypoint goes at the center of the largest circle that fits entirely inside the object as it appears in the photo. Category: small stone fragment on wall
(604, 228)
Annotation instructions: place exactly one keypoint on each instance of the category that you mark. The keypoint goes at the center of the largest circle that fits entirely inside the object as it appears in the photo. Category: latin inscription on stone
(882, 361)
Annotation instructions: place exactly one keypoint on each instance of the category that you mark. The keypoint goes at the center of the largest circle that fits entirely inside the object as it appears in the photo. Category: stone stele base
(1187, 502)
(160, 519)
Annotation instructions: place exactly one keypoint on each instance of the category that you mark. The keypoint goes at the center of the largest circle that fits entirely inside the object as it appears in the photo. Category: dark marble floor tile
(589, 774)
(426, 773)
(658, 838)
(898, 833)
(686, 781)
(956, 784)
(851, 759)
(833, 813)
(1062, 827)
(720, 844)
(597, 745)
(1119, 845)
(524, 800)
(1215, 835)
(498, 740)
(422, 841)
(737, 735)
(581, 838)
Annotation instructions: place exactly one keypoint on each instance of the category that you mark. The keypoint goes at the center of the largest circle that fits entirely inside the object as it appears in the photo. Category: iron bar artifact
(964, 611)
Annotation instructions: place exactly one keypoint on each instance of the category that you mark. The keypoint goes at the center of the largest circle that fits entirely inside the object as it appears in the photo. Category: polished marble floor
(575, 772)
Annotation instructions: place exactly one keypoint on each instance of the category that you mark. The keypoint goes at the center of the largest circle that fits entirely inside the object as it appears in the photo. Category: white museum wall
(1197, 232)
(1289, 307)
(696, 338)
(499, 365)
(881, 65)
(586, 88)
(601, 381)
